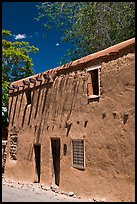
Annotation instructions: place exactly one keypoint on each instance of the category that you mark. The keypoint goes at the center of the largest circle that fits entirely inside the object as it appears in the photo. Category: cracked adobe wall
(61, 109)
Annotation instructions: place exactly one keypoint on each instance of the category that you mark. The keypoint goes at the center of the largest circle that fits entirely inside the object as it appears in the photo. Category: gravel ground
(35, 192)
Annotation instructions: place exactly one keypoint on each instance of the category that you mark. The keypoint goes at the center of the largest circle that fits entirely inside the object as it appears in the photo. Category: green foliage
(15, 59)
(89, 26)
(16, 64)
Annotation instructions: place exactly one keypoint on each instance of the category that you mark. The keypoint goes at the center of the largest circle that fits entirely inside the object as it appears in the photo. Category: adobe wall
(4, 148)
(109, 133)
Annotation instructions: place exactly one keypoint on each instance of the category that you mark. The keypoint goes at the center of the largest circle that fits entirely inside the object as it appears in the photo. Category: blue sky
(18, 17)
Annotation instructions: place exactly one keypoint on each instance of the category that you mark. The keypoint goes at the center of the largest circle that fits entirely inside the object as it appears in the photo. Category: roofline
(100, 54)
(105, 52)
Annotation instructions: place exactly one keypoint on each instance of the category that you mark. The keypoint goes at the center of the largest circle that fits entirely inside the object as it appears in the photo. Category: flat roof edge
(100, 54)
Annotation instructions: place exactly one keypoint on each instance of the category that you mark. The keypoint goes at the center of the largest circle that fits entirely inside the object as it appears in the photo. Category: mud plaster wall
(4, 148)
(108, 136)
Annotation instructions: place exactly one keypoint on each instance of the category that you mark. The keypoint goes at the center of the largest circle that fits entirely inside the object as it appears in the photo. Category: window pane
(78, 153)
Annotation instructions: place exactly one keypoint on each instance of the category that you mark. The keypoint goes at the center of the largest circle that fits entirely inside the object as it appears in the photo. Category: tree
(16, 64)
(89, 26)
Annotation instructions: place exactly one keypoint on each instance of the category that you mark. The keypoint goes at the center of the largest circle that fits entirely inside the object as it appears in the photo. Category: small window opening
(78, 153)
(65, 149)
(94, 82)
(95, 85)
(28, 95)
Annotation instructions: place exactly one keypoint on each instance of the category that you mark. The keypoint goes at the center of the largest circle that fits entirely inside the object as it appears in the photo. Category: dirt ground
(19, 192)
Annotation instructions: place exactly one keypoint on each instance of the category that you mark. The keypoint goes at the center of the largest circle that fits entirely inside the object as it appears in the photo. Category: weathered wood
(26, 82)
(39, 79)
(32, 80)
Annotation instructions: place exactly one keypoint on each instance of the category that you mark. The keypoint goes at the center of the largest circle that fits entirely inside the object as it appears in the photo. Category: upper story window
(28, 96)
(94, 82)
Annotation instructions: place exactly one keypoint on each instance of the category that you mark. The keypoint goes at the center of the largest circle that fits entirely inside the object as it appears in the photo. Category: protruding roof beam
(26, 82)
(46, 76)
(39, 79)
(15, 86)
(11, 88)
(32, 80)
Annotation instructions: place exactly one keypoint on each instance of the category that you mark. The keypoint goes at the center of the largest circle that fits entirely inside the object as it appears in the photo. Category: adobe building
(4, 144)
(74, 126)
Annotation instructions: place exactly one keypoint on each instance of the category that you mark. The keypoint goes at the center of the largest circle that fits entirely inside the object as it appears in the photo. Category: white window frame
(89, 69)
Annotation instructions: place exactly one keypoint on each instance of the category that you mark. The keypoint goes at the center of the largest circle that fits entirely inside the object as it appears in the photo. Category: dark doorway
(37, 148)
(55, 144)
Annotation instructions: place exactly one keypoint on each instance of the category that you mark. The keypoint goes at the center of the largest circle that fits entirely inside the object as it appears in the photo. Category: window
(78, 153)
(13, 146)
(28, 95)
(94, 82)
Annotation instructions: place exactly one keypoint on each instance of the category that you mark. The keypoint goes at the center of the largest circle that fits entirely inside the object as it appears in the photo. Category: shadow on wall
(93, 100)
(37, 103)
(29, 98)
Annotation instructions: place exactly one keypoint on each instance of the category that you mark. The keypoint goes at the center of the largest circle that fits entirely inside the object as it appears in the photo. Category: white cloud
(23, 36)
(57, 44)
(20, 36)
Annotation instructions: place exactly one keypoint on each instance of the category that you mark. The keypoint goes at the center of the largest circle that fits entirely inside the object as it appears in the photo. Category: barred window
(78, 153)
(13, 146)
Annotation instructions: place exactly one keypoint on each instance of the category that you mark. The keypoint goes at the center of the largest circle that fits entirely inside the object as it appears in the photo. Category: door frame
(55, 151)
(37, 155)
